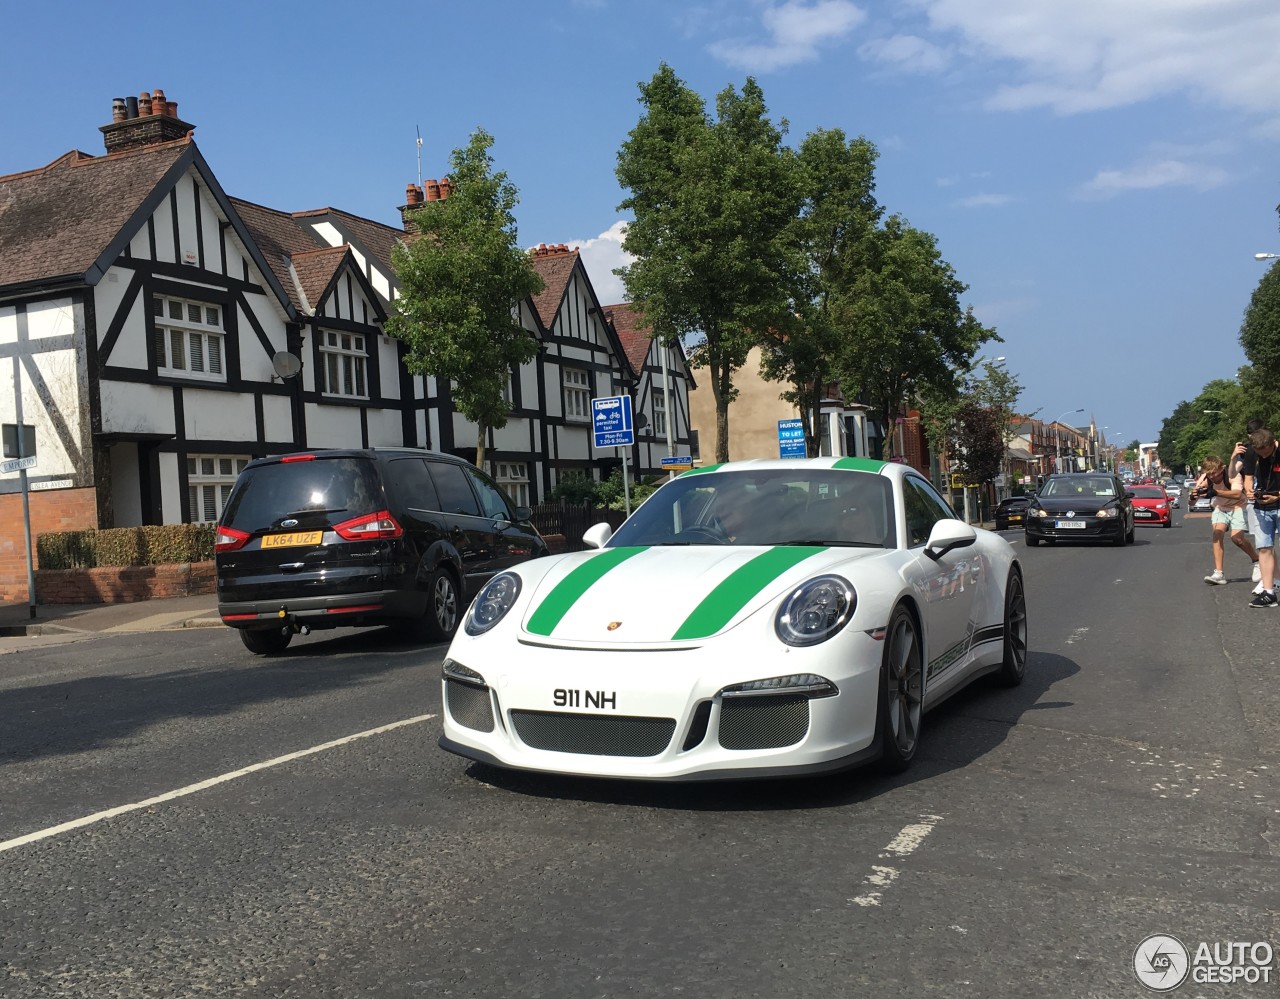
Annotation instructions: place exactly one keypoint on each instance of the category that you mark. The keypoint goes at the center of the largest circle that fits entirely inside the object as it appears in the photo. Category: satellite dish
(285, 364)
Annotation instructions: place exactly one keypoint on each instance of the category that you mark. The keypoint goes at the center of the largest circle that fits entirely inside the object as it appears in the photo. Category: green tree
(903, 330)
(839, 210)
(975, 442)
(712, 200)
(461, 280)
(1260, 330)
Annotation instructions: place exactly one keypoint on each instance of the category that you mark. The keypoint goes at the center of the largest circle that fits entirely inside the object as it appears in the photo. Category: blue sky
(1099, 172)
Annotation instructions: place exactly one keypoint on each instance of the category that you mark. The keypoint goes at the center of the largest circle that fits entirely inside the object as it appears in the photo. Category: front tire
(1014, 666)
(901, 708)
(1032, 542)
(266, 641)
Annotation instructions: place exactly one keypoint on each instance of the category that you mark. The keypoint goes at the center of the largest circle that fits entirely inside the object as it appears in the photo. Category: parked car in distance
(1152, 505)
(1201, 504)
(335, 538)
(1175, 495)
(1011, 512)
(1081, 506)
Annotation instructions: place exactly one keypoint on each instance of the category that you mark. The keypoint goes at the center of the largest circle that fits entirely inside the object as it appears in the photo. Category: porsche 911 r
(751, 619)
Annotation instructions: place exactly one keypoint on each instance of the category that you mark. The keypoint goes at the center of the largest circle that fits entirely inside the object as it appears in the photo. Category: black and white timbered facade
(158, 334)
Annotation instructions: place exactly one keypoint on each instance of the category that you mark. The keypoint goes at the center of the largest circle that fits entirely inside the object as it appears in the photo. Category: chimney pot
(144, 104)
(131, 107)
(172, 108)
(119, 111)
(446, 187)
(412, 195)
(432, 189)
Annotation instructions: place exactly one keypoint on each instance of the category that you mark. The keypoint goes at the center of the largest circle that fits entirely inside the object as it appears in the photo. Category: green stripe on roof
(860, 464)
(721, 604)
(565, 594)
(704, 468)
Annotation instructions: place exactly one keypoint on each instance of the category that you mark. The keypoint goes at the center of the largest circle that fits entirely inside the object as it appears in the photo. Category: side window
(411, 484)
(454, 491)
(937, 498)
(922, 513)
(492, 502)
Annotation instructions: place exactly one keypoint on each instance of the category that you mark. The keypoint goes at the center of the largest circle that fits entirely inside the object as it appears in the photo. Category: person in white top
(1229, 500)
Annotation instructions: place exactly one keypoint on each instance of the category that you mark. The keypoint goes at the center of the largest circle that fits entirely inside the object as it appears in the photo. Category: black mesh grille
(763, 722)
(599, 735)
(469, 705)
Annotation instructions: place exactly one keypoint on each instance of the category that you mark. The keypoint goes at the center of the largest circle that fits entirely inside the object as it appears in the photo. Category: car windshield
(1148, 492)
(1083, 486)
(781, 506)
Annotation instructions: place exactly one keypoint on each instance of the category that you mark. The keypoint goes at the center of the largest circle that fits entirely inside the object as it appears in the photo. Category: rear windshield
(326, 489)
(1149, 492)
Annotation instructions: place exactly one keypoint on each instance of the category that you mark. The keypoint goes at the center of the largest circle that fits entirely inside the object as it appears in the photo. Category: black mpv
(336, 538)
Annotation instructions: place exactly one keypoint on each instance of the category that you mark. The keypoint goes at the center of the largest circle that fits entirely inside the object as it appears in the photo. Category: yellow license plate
(292, 540)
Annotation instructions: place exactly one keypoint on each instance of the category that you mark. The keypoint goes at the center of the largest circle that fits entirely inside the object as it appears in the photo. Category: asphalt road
(1129, 787)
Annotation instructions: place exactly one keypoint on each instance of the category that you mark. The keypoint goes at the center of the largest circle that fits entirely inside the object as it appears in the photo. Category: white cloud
(796, 30)
(1088, 55)
(1154, 175)
(908, 53)
(985, 201)
(600, 255)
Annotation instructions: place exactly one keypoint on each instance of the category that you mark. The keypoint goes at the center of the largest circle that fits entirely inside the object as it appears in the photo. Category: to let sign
(791, 439)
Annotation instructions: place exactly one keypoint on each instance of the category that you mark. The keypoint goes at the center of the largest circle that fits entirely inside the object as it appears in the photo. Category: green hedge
(154, 544)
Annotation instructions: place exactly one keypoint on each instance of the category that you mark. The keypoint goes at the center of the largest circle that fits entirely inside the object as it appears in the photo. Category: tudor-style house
(157, 334)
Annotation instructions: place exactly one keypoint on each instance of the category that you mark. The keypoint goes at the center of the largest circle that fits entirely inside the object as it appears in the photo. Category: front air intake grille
(469, 705)
(598, 735)
(765, 722)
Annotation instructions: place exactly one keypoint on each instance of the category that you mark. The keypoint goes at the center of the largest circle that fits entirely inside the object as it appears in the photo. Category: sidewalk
(84, 620)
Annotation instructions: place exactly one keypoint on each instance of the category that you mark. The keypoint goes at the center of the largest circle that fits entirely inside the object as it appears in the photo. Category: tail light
(228, 539)
(370, 525)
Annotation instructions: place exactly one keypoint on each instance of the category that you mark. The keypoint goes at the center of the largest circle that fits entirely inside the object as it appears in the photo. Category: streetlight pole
(1057, 437)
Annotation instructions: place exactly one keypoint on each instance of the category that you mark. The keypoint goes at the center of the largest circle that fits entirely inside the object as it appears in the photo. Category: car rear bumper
(339, 610)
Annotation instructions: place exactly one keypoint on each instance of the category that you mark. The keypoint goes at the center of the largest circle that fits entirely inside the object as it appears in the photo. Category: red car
(1152, 505)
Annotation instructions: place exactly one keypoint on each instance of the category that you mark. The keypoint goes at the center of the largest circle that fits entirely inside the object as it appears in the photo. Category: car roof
(356, 452)
(875, 466)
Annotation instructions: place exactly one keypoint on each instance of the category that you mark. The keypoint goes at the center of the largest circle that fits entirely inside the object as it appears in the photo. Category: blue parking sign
(611, 424)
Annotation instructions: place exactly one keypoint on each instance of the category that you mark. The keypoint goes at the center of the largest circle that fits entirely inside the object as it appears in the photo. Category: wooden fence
(571, 520)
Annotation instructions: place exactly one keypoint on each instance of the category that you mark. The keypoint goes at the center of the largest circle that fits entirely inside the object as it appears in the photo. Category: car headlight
(492, 603)
(1036, 511)
(1107, 511)
(815, 611)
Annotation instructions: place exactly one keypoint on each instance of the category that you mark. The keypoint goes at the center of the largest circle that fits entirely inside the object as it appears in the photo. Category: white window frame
(344, 364)
(576, 383)
(209, 481)
(659, 414)
(513, 477)
(191, 344)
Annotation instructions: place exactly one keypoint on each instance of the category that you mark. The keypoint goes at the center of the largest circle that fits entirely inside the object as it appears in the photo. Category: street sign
(18, 463)
(678, 461)
(611, 422)
(791, 439)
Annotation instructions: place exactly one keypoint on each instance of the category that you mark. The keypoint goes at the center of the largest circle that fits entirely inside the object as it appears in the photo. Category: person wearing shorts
(1228, 499)
(1264, 487)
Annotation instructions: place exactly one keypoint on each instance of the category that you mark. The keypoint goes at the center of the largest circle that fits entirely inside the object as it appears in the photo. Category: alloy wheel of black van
(442, 606)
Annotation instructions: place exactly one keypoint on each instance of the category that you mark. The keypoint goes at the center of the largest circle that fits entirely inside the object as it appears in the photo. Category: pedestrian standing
(1264, 486)
(1243, 461)
(1226, 493)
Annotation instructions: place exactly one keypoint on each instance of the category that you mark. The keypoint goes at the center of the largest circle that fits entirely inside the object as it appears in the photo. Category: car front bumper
(1046, 528)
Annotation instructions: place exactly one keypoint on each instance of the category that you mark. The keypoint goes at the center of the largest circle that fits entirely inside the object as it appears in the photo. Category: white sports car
(753, 619)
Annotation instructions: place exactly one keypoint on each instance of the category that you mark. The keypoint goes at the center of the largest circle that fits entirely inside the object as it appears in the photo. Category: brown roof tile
(634, 333)
(315, 269)
(279, 237)
(57, 220)
(375, 237)
(555, 264)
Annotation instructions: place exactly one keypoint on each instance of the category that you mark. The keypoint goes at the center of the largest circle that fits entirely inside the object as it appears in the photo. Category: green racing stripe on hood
(565, 593)
(860, 464)
(721, 604)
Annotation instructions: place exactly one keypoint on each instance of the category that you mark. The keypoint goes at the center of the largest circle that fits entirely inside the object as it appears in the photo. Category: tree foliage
(839, 209)
(712, 200)
(975, 442)
(904, 332)
(461, 282)
(1260, 330)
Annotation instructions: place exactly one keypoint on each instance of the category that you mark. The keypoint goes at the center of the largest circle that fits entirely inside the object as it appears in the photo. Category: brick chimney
(141, 121)
(415, 197)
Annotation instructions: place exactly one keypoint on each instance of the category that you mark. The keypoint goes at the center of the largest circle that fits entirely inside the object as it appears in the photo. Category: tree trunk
(482, 432)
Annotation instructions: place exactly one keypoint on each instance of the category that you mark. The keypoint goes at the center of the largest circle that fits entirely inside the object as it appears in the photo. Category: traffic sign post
(612, 426)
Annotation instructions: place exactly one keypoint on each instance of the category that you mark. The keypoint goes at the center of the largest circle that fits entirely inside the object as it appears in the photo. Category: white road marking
(1077, 634)
(901, 846)
(203, 785)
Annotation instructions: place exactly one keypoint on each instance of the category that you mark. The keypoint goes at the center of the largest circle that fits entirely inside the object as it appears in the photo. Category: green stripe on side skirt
(740, 586)
(565, 594)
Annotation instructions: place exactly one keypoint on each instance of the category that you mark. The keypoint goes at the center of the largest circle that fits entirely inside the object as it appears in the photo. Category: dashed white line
(203, 785)
(901, 846)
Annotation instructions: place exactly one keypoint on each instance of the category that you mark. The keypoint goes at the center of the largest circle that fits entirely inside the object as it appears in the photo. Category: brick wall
(51, 510)
(124, 584)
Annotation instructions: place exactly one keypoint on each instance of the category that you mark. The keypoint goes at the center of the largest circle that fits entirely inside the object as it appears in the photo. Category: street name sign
(18, 463)
(611, 422)
(678, 461)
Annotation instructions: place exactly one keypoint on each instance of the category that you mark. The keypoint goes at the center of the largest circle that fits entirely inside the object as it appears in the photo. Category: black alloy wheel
(901, 692)
(1014, 665)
